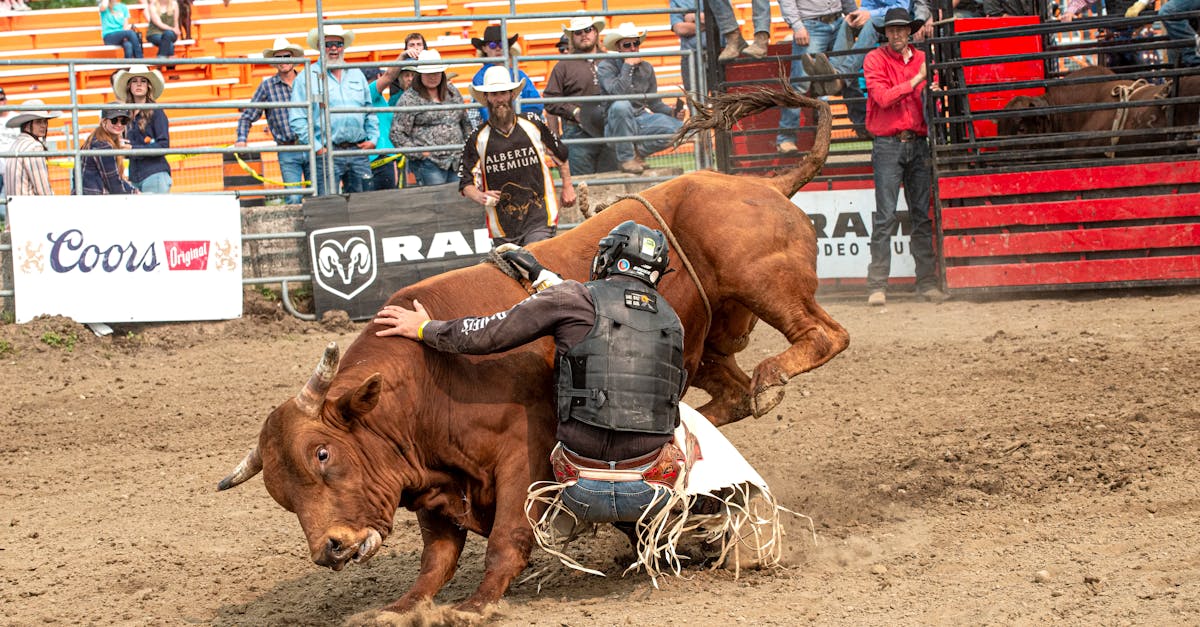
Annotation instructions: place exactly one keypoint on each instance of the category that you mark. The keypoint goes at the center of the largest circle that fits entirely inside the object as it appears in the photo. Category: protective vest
(627, 374)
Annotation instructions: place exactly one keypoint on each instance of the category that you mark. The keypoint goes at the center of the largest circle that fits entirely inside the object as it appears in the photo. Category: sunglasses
(494, 45)
(630, 45)
(335, 44)
(285, 56)
(120, 121)
(584, 31)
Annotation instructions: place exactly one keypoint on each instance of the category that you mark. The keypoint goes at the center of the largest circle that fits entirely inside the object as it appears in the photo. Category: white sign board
(127, 258)
(843, 221)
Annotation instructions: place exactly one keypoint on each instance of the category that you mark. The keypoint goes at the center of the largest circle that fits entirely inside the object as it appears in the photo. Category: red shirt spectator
(894, 104)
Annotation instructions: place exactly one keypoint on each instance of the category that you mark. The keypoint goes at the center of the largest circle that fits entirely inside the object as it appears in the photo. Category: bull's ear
(362, 400)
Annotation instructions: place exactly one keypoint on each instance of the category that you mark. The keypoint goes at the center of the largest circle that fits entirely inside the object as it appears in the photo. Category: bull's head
(314, 463)
(1035, 122)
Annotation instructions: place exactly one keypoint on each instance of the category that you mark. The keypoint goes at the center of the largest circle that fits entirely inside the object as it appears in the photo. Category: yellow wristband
(421, 331)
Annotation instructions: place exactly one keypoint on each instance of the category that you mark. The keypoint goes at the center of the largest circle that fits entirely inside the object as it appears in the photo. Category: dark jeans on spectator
(428, 173)
(165, 42)
(130, 40)
(897, 162)
(588, 158)
(384, 177)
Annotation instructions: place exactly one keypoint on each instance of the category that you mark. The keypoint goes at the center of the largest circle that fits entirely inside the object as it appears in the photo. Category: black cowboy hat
(899, 17)
(491, 33)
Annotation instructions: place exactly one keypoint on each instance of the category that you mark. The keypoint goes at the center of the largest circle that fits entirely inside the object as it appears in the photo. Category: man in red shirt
(895, 75)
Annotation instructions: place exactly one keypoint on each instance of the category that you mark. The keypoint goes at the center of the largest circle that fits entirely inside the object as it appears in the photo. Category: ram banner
(128, 258)
(843, 222)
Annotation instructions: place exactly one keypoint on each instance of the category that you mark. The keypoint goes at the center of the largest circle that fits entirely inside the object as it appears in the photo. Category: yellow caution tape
(263, 179)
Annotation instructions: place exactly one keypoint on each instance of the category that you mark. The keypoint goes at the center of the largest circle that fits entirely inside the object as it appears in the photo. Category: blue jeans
(898, 162)
(353, 174)
(157, 183)
(165, 42)
(587, 158)
(384, 176)
(608, 501)
(293, 168)
(866, 40)
(130, 40)
(1180, 29)
(820, 39)
(428, 173)
(624, 121)
(722, 10)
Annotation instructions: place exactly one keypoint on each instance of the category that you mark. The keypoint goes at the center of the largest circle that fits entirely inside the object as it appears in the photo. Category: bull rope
(1123, 93)
(683, 258)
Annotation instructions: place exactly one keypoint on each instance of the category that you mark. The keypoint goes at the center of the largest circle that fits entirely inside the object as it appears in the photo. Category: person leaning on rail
(103, 174)
(293, 166)
(27, 175)
(148, 128)
(578, 77)
(431, 126)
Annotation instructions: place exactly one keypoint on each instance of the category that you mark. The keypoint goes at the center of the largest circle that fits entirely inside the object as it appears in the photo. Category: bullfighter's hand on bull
(400, 321)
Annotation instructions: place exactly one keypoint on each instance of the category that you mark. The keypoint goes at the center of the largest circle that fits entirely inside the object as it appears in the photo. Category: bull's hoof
(766, 399)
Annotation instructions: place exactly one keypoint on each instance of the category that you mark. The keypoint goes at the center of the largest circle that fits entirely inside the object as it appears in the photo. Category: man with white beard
(506, 166)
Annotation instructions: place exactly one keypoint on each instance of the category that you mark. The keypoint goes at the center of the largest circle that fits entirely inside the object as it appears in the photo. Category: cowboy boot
(734, 45)
(758, 49)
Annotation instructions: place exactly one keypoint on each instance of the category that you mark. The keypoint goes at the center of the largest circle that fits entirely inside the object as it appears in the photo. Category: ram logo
(343, 259)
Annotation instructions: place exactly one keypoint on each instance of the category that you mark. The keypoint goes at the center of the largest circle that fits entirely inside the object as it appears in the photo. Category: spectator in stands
(28, 176)
(580, 77)
(185, 18)
(815, 25)
(896, 85)
(641, 115)
(564, 44)
(492, 47)
(431, 127)
(414, 43)
(1005, 8)
(8, 135)
(116, 29)
(293, 166)
(350, 131)
(690, 30)
(968, 8)
(148, 128)
(103, 174)
(1122, 61)
(506, 166)
(163, 28)
(1178, 28)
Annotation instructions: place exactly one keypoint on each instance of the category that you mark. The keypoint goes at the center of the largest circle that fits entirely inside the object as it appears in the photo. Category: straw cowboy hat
(495, 79)
(582, 22)
(491, 33)
(899, 17)
(28, 116)
(334, 30)
(281, 44)
(430, 55)
(627, 30)
(121, 81)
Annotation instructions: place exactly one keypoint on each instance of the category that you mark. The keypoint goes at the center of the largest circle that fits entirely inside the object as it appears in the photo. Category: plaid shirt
(272, 89)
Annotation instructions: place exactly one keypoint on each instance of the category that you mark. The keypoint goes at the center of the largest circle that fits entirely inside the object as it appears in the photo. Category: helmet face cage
(632, 250)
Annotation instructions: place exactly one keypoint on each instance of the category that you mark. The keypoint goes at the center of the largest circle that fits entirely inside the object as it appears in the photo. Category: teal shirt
(114, 20)
(384, 117)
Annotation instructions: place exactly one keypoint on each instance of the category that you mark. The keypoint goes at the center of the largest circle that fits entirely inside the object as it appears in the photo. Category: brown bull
(1042, 118)
(459, 438)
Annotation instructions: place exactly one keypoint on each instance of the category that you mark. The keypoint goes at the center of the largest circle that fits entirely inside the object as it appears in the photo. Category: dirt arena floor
(1011, 460)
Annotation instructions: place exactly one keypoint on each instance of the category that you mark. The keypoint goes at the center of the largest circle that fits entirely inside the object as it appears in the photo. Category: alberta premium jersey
(515, 165)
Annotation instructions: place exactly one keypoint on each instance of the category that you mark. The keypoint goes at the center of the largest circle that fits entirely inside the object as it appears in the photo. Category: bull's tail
(723, 110)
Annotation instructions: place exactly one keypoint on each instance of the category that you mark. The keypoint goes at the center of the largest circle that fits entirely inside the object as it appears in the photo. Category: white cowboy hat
(430, 55)
(627, 30)
(582, 22)
(28, 116)
(495, 79)
(334, 30)
(121, 81)
(281, 44)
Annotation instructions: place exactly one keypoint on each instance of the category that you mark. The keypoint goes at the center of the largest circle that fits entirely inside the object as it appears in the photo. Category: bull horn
(310, 398)
(247, 468)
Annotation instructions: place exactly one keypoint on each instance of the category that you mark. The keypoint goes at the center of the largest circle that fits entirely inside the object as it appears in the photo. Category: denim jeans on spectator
(866, 40)
(165, 42)
(1180, 29)
(624, 121)
(722, 11)
(820, 39)
(898, 162)
(130, 40)
(293, 168)
(587, 158)
(608, 501)
(157, 183)
(353, 173)
(428, 173)
(384, 176)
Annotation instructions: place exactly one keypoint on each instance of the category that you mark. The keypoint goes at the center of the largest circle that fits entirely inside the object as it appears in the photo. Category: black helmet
(632, 250)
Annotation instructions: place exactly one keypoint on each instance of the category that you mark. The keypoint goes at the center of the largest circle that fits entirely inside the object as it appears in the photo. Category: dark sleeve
(470, 160)
(251, 115)
(555, 89)
(158, 132)
(994, 8)
(535, 317)
(615, 78)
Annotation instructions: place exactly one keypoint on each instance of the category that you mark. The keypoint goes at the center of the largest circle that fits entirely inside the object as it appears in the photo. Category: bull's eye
(322, 454)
